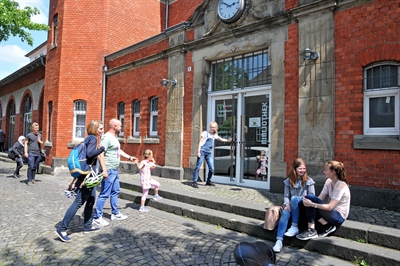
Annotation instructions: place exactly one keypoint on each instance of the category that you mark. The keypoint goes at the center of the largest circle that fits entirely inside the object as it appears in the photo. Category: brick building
(298, 78)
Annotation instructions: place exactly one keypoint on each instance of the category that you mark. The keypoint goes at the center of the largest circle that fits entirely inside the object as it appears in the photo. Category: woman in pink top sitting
(335, 211)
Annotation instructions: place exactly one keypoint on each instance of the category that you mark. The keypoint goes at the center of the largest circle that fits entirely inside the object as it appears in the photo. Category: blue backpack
(77, 163)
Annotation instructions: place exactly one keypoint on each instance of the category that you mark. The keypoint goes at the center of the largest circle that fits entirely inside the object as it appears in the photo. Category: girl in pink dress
(145, 167)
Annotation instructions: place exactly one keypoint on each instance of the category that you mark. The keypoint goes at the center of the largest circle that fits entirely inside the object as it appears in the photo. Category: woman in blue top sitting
(297, 185)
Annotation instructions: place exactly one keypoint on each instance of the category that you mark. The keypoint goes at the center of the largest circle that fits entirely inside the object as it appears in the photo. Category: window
(11, 112)
(79, 119)
(1, 117)
(241, 71)
(27, 115)
(50, 120)
(153, 116)
(55, 29)
(121, 110)
(136, 118)
(381, 99)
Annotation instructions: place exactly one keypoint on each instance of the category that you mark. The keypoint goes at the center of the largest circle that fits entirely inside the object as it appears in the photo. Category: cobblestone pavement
(29, 215)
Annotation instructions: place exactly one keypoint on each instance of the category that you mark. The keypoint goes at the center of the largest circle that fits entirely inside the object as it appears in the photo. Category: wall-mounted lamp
(165, 81)
(309, 54)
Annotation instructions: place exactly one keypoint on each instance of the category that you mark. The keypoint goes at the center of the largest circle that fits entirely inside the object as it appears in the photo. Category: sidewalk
(235, 194)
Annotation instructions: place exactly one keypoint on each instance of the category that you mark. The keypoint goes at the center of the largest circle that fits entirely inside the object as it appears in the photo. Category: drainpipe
(103, 96)
(166, 13)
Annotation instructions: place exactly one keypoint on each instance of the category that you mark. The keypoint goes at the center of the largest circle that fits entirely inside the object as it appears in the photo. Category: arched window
(79, 119)
(381, 99)
(27, 114)
(153, 116)
(121, 112)
(136, 118)
(11, 112)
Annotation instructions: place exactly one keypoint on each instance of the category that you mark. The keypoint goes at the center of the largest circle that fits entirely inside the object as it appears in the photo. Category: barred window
(79, 119)
(154, 116)
(121, 112)
(136, 118)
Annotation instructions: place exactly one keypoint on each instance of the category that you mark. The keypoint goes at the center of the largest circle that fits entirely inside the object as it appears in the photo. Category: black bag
(42, 156)
(11, 155)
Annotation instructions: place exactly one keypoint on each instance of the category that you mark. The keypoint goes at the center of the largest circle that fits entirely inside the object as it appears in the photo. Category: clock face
(230, 10)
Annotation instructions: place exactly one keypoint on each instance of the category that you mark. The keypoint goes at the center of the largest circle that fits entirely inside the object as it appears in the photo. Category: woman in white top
(335, 211)
(204, 151)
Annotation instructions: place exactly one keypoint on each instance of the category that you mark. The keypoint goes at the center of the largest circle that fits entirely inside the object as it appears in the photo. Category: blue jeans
(210, 163)
(333, 217)
(285, 216)
(109, 189)
(33, 162)
(83, 195)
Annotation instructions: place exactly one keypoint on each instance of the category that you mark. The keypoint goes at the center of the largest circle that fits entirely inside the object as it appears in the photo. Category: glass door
(244, 117)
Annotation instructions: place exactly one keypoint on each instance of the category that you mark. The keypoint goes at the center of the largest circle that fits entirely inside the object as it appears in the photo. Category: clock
(230, 10)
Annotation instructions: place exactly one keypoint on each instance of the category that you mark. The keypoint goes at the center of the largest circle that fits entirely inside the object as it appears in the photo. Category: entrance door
(244, 117)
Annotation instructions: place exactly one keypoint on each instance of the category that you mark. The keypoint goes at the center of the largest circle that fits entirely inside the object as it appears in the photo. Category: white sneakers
(118, 217)
(292, 231)
(278, 246)
(101, 222)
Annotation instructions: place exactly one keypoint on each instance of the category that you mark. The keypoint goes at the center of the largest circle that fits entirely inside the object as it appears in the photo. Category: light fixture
(165, 81)
(309, 54)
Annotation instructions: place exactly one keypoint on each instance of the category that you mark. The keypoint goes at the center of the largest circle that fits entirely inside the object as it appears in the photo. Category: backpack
(77, 163)
(11, 155)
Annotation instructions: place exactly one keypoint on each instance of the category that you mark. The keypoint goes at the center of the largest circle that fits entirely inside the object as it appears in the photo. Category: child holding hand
(145, 167)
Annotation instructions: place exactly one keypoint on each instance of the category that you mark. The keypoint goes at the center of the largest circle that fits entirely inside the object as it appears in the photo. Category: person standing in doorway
(110, 187)
(2, 140)
(33, 143)
(204, 151)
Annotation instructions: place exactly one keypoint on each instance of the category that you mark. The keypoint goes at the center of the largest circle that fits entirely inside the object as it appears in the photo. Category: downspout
(166, 13)
(103, 95)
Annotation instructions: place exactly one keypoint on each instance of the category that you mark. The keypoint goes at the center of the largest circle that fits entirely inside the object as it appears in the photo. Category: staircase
(357, 242)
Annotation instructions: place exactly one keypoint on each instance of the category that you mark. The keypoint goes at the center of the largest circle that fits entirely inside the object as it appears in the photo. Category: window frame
(136, 118)
(153, 111)
(27, 115)
(55, 29)
(81, 113)
(380, 92)
(121, 117)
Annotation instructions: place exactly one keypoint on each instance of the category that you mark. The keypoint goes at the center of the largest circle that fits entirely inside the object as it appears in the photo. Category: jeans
(210, 163)
(33, 162)
(333, 217)
(83, 195)
(20, 164)
(285, 216)
(109, 189)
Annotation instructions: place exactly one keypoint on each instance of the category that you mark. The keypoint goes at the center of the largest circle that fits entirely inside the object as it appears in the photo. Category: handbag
(272, 216)
(11, 155)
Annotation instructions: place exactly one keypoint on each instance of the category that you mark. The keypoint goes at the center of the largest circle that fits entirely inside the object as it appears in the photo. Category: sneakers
(34, 182)
(101, 222)
(15, 175)
(194, 184)
(278, 246)
(91, 230)
(292, 231)
(209, 183)
(157, 197)
(144, 209)
(309, 234)
(327, 229)
(118, 217)
(30, 184)
(62, 237)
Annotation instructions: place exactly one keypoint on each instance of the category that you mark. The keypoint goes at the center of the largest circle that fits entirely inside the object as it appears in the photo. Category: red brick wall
(188, 111)
(182, 10)
(358, 45)
(291, 122)
(289, 4)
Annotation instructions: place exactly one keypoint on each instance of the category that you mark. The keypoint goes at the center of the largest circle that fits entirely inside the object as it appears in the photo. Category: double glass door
(245, 118)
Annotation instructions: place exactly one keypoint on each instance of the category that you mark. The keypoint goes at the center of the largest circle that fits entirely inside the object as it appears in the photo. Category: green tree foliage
(16, 21)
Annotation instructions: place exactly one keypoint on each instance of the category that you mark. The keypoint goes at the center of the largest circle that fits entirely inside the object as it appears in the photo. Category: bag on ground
(77, 163)
(272, 216)
(11, 155)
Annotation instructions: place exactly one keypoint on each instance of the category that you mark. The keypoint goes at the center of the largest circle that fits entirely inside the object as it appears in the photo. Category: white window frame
(153, 114)
(27, 115)
(121, 117)
(136, 118)
(79, 111)
(381, 93)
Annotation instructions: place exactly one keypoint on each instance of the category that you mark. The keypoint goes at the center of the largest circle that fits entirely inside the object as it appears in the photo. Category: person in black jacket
(87, 196)
(18, 149)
